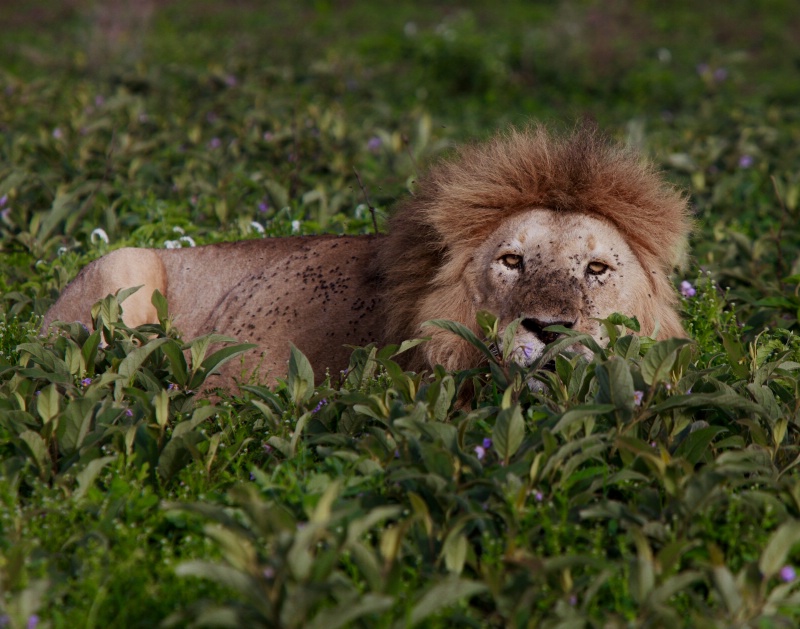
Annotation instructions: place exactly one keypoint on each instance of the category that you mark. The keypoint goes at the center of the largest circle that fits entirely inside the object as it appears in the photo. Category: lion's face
(553, 268)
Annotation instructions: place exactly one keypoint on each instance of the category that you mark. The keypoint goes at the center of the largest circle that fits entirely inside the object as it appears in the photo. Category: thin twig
(784, 215)
(407, 146)
(366, 198)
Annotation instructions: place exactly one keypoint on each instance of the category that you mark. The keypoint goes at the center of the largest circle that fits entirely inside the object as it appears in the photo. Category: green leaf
(508, 433)
(696, 443)
(736, 355)
(44, 357)
(160, 303)
(724, 400)
(508, 337)
(359, 526)
(199, 346)
(632, 323)
(301, 376)
(47, 403)
(781, 543)
(349, 610)
(657, 362)
(89, 350)
(454, 551)
(464, 332)
(228, 577)
(628, 346)
(178, 452)
(161, 406)
(127, 368)
(487, 322)
(615, 387)
(440, 596)
(87, 476)
(211, 364)
(580, 412)
(172, 350)
(74, 424)
(37, 450)
(726, 585)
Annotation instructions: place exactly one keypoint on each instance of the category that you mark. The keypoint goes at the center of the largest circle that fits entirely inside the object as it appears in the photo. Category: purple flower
(215, 143)
(374, 144)
(269, 573)
(171, 386)
(58, 133)
(33, 622)
(787, 574)
(263, 206)
(99, 100)
(538, 496)
(720, 74)
(128, 412)
(638, 396)
(86, 382)
(268, 136)
(230, 80)
(487, 443)
(321, 403)
(687, 290)
(3, 200)
(267, 448)
(480, 452)
(745, 161)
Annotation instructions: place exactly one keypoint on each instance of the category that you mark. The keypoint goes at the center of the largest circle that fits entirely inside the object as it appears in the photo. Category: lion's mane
(461, 200)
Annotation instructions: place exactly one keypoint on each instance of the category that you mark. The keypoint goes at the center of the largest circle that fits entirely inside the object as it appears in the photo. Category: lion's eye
(512, 260)
(596, 268)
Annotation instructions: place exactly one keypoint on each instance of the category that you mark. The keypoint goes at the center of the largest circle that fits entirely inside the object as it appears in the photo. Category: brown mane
(463, 198)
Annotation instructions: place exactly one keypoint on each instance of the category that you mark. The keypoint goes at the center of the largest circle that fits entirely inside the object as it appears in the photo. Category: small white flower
(172, 244)
(178, 230)
(187, 239)
(98, 233)
(258, 227)
(61, 251)
(295, 227)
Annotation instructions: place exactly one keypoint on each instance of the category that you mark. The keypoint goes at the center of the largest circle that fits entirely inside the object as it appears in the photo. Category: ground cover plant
(653, 485)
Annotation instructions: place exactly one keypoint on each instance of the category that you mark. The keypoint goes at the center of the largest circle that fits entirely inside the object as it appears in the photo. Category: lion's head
(555, 230)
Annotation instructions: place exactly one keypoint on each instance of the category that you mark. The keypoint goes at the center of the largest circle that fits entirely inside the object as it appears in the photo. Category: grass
(654, 485)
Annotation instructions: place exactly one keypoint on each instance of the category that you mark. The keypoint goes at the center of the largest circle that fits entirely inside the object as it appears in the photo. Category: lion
(551, 229)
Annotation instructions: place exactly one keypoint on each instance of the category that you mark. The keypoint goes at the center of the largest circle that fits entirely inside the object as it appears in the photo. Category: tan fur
(442, 259)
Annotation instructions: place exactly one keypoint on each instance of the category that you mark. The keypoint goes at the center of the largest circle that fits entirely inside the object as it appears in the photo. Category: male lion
(553, 229)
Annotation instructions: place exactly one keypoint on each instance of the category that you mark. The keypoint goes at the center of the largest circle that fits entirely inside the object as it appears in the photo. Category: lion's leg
(123, 268)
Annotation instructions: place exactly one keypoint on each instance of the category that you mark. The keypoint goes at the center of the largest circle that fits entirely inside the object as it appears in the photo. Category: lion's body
(319, 292)
(552, 230)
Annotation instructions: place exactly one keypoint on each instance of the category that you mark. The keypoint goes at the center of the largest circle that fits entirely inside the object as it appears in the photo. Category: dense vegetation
(654, 485)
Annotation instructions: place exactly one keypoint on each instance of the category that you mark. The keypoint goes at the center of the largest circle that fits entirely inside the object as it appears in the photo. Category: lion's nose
(537, 326)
